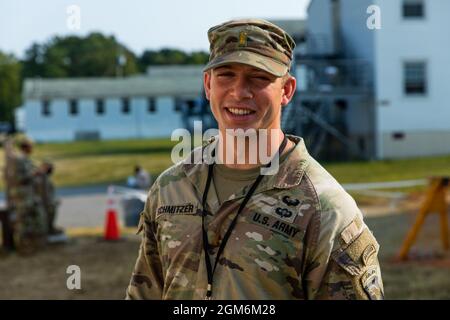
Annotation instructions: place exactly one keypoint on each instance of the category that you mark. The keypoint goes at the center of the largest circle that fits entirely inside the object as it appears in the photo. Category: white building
(142, 106)
(384, 89)
(398, 104)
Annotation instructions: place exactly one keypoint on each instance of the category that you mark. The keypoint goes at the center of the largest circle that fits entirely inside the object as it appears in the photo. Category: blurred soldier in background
(8, 174)
(46, 191)
(140, 180)
(6, 216)
(29, 216)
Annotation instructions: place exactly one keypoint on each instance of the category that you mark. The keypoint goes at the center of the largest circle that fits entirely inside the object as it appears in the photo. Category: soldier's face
(245, 97)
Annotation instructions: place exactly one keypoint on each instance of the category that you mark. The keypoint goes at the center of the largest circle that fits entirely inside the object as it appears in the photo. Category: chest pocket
(178, 232)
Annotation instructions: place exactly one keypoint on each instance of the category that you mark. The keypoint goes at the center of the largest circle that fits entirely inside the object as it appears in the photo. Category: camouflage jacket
(45, 189)
(301, 236)
(20, 181)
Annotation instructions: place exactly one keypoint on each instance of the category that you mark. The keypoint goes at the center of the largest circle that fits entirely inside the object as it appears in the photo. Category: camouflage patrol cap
(253, 42)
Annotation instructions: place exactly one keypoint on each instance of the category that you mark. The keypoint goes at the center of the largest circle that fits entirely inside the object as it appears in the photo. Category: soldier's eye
(225, 74)
(261, 77)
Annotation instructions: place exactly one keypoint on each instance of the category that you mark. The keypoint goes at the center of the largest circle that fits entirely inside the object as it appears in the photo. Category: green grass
(101, 162)
(103, 148)
(390, 170)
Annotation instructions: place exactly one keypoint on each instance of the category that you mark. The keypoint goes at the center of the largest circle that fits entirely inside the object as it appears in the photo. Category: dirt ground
(105, 270)
(427, 274)
(106, 266)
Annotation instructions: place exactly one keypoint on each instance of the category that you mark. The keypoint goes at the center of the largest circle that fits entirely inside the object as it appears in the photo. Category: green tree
(198, 57)
(33, 63)
(169, 56)
(10, 86)
(95, 55)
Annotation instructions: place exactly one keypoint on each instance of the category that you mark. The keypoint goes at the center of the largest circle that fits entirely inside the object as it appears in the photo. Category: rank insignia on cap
(242, 39)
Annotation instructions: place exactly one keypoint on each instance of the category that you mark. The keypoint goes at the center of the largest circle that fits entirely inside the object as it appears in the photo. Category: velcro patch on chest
(285, 208)
(276, 225)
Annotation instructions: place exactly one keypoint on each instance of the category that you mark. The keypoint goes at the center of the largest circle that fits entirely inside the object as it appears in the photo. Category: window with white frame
(126, 105)
(151, 106)
(413, 9)
(46, 112)
(100, 106)
(73, 107)
(178, 105)
(415, 78)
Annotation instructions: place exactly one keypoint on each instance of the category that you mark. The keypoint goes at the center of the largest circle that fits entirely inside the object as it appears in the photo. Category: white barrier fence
(371, 189)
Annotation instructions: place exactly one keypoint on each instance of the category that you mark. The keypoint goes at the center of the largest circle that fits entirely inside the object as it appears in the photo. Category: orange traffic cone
(111, 226)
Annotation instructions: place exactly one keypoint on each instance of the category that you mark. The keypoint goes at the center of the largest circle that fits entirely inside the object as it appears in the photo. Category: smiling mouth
(239, 111)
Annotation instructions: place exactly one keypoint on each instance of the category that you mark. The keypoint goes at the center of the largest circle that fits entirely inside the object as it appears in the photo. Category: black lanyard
(209, 269)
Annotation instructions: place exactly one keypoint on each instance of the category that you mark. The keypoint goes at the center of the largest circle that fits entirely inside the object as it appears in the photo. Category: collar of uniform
(196, 171)
(289, 174)
(292, 169)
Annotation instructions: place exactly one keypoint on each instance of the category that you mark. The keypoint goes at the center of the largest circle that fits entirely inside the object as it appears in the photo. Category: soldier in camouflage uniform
(29, 225)
(46, 191)
(298, 236)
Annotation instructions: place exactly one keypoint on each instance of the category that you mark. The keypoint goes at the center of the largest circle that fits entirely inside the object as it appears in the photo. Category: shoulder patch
(368, 253)
(371, 282)
(357, 255)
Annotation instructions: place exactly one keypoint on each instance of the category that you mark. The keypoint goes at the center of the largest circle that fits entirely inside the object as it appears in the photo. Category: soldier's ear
(289, 87)
(207, 83)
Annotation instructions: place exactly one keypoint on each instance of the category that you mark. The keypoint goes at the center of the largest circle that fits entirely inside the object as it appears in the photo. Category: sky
(139, 24)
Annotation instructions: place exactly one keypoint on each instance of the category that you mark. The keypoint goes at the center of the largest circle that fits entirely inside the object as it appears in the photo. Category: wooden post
(434, 202)
(443, 207)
